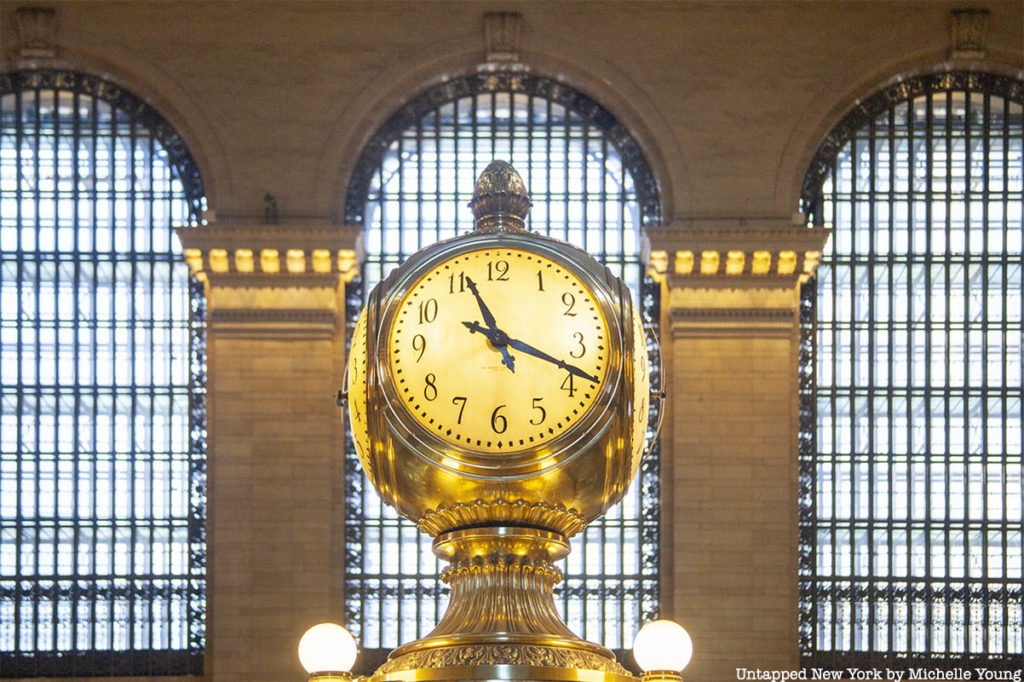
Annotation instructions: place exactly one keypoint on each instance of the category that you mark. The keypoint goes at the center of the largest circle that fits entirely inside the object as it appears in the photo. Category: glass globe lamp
(662, 649)
(327, 651)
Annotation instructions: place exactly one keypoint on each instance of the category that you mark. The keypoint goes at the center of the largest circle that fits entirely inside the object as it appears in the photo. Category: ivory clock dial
(506, 368)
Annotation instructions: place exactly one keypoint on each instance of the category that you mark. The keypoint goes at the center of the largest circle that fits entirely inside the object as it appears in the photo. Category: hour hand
(498, 339)
(530, 350)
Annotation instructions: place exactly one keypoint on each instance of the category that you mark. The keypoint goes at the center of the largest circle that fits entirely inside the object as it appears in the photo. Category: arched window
(590, 185)
(102, 427)
(911, 454)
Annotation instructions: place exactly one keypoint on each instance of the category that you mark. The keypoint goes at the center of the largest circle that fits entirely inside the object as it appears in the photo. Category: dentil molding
(281, 281)
(734, 277)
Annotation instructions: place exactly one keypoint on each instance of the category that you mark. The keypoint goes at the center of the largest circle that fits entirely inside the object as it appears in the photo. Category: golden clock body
(499, 377)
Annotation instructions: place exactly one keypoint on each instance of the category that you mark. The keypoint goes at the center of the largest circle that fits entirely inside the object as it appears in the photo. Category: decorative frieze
(735, 256)
(734, 277)
(251, 255)
(279, 281)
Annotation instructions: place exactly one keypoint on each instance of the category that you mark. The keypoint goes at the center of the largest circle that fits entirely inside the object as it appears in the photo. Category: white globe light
(662, 645)
(327, 647)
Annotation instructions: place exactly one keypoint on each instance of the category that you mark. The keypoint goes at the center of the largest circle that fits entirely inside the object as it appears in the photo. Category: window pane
(911, 354)
(101, 497)
(413, 191)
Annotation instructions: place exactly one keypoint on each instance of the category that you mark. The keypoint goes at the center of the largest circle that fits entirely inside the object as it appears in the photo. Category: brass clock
(494, 362)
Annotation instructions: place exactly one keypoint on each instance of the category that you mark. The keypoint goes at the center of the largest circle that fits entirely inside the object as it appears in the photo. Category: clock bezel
(525, 462)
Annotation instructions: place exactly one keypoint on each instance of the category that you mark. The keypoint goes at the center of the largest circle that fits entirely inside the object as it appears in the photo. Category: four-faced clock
(498, 350)
(499, 376)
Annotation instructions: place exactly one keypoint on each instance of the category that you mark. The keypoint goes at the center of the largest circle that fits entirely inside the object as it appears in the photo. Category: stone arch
(632, 154)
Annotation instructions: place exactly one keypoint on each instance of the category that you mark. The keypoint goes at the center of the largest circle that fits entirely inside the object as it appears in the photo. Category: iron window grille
(102, 386)
(590, 185)
(911, 382)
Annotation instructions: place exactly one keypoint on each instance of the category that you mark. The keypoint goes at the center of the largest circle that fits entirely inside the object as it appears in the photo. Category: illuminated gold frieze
(708, 262)
(270, 261)
(218, 260)
(684, 262)
(761, 263)
(729, 254)
(244, 261)
(295, 260)
(278, 280)
(734, 262)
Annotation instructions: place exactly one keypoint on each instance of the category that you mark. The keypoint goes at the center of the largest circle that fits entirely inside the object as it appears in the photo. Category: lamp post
(662, 649)
(327, 652)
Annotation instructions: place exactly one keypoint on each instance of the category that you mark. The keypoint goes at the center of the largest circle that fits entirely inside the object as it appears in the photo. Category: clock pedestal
(501, 613)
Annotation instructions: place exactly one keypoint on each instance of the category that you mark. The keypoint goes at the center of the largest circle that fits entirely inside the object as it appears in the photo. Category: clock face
(498, 350)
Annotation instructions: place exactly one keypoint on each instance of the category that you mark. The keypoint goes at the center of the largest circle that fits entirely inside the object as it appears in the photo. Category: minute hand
(530, 350)
(484, 310)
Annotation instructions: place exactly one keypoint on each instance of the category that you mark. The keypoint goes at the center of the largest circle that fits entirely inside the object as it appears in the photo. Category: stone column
(729, 448)
(275, 344)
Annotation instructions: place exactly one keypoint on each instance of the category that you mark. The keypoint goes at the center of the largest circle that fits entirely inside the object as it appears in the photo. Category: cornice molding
(733, 322)
(234, 233)
(759, 314)
(735, 253)
(276, 323)
(279, 280)
(243, 253)
(742, 281)
(730, 234)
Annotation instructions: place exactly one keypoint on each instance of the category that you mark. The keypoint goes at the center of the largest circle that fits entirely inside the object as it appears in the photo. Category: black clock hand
(530, 350)
(498, 339)
(506, 357)
(484, 310)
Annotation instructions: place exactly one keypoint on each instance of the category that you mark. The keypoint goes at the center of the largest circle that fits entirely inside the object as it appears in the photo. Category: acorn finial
(500, 200)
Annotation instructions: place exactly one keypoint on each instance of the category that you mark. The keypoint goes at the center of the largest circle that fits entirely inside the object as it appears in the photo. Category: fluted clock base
(501, 622)
(502, 662)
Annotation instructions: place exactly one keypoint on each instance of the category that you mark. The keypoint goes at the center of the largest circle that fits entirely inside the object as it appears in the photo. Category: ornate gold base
(499, 512)
(501, 656)
(502, 672)
(501, 621)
